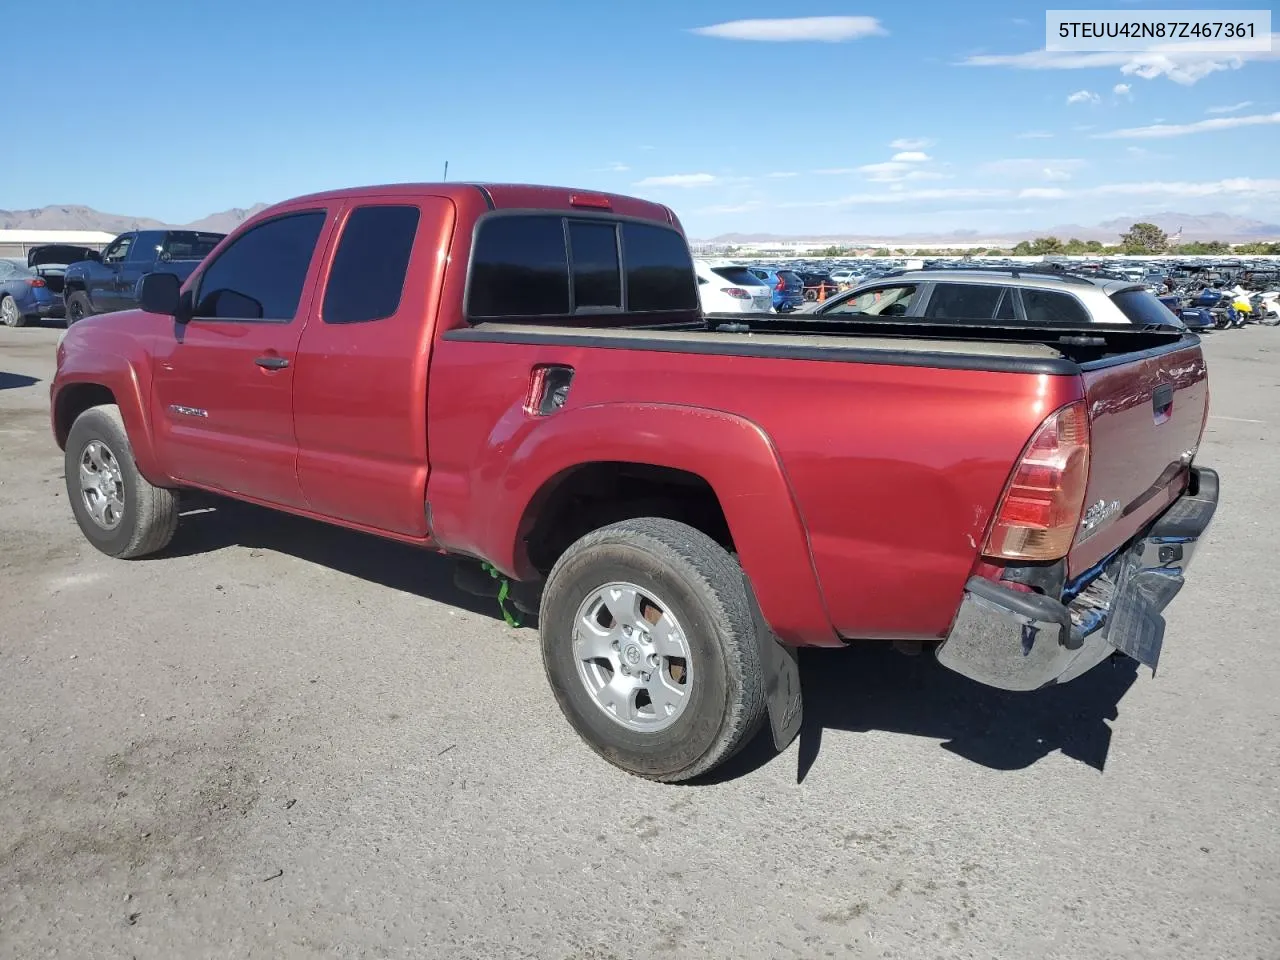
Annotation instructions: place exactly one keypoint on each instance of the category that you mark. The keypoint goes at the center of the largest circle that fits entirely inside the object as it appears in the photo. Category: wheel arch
(723, 459)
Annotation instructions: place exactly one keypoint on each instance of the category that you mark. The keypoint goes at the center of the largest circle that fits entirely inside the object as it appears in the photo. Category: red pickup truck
(521, 377)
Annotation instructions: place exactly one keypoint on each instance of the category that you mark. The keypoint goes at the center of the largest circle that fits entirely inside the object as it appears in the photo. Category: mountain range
(1203, 226)
(76, 217)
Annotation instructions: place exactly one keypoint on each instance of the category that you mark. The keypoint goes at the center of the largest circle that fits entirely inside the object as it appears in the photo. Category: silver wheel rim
(632, 657)
(101, 485)
(9, 311)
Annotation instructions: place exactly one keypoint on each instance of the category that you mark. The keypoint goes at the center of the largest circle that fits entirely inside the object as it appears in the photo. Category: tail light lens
(737, 293)
(1042, 503)
(36, 282)
(782, 284)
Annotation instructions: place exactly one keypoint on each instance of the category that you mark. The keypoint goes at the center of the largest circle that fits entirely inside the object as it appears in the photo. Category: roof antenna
(446, 171)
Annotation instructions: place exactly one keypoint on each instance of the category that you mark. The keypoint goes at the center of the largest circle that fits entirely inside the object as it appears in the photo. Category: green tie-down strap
(512, 618)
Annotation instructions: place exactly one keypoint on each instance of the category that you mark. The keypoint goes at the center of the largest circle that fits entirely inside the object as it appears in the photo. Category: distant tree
(1199, 247)
(900, 252)
(1022, 249)
(1093, 246)
(881, 252)
(1144, 238)
(834, 251)
(1043, 245)
(1074, 246)
(1270, 249)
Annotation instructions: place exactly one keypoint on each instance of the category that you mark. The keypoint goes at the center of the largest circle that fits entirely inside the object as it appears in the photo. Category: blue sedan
(25, 295)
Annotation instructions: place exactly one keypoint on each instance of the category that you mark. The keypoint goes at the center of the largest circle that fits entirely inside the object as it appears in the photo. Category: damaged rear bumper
(1023, 641)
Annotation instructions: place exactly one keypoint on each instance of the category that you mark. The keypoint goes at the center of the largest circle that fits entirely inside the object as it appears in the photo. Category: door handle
(272, 363)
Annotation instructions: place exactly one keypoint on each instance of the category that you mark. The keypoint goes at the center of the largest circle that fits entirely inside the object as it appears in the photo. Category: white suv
(730, 288)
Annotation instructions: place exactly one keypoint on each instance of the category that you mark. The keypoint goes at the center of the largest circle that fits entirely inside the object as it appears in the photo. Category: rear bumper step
(1023, 641)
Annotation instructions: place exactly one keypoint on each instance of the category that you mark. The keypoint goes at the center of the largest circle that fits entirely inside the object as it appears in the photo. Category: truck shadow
(14, 381)
(210, 523)
(871, 687)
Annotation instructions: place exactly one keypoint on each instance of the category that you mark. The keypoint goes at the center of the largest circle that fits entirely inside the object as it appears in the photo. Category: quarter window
(260, 275)
(597, 280)
(963, 301)
(1050, 308)
(366, 280)
(118, 250)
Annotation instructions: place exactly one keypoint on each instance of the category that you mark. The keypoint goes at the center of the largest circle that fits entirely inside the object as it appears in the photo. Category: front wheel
(649, 645)
(9, 312)
(118, 511)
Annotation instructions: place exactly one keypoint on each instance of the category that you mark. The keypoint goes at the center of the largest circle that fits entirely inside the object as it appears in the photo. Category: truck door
(222, 389)
(140, 259)
(103, 281)
(360, 393)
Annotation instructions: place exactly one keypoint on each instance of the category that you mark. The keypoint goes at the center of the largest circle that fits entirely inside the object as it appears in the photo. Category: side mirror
(160, 293)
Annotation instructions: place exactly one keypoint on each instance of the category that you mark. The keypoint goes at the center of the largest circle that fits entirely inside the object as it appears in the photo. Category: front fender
(85, 364)
(733, 454)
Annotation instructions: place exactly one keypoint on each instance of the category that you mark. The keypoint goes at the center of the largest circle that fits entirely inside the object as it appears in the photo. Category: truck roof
(507, 196)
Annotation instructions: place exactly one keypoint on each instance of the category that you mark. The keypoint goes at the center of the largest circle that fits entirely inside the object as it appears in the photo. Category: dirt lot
(284, 740)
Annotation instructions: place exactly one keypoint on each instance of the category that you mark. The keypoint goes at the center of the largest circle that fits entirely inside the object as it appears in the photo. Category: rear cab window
(573, 270)
(1051, 308)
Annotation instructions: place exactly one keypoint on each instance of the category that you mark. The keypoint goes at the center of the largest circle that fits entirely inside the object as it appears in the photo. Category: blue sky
(930, 116)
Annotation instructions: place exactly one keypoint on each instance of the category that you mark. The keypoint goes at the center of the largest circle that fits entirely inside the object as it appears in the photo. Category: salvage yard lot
(283, 739)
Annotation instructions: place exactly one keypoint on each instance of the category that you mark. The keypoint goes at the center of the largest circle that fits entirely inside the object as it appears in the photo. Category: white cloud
(910, 156)
(783, 175)
(1230, 108)
(1123, 90)
(1041, 193)
(1033, 169)
(893, 171)
(836, 171)
(1083, 96)
(616, 167)
(1161, 130)
(1179, 65)
(1035, 135)
(732, 207)
(911, 143)
(824, 29)
(678, 180)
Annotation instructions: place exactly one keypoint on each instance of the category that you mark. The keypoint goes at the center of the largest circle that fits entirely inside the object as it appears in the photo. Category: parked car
(788, 288)
(25, 295)
(817, 286)
(110, 282)
(730, 288)
(1016, 296)
(522, 377)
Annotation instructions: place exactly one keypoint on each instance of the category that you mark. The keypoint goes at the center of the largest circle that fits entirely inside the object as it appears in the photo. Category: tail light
(737, 293)
(36, 282)
(1042, 503)
(782, 284)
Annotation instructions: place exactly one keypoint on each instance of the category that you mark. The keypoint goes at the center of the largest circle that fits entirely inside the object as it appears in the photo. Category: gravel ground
(285, 740)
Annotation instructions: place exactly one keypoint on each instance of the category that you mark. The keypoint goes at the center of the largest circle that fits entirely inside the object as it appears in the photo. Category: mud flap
(781, 668)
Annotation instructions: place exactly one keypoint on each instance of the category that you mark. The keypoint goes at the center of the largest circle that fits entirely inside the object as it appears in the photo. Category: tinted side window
(519, 268)
(367, 277)
(597, 281)
(963, 301)
(118, 250)
(1050, 308)
(261, 274)
(659, 269)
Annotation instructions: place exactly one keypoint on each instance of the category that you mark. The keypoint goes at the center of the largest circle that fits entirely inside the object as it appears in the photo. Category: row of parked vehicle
(61, 280)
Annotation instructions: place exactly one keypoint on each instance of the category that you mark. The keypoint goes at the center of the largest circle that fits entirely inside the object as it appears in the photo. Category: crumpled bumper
(1023, 641)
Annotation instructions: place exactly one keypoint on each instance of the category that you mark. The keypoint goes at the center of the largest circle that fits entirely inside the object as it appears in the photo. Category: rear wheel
(649, 645)
(118, 511)
(78, 307)
(9, 312)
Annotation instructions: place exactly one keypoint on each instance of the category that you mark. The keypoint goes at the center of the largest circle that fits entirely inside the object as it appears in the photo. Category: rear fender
(734, 455)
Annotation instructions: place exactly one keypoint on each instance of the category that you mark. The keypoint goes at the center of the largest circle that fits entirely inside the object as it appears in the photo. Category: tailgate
(1146, 414)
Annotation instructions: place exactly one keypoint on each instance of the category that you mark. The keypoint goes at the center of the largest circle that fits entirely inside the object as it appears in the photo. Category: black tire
(78, 307)
(150, 515)
(707, 594)
(10, 313)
